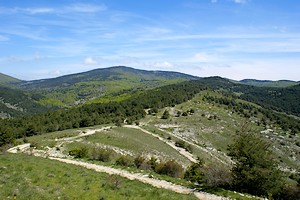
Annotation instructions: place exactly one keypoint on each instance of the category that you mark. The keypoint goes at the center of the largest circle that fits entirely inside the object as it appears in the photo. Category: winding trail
(182, 151)
(52, 154)
(142, 178)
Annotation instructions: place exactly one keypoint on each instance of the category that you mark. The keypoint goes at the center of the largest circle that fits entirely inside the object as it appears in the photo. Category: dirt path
(83, 134)
(19, 148)
(142, 178)
(53, 154)
(182, 151)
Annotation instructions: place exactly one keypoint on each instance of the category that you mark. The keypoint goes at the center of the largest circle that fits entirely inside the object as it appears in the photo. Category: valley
(158, 130)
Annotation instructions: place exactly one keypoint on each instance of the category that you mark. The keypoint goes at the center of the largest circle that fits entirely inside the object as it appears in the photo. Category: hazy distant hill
(119, 73)
(268, 83)
(5, 79)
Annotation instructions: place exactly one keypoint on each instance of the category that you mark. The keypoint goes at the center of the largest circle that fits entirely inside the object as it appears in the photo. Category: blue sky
(230, 38)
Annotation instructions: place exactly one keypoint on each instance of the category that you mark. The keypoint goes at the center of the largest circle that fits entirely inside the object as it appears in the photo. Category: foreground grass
(27, 177)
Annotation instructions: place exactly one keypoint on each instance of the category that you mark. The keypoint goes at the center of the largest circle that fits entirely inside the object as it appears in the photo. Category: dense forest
(280, 99)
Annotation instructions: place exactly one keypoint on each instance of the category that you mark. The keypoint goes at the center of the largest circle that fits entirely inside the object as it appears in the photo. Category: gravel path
(142, 178)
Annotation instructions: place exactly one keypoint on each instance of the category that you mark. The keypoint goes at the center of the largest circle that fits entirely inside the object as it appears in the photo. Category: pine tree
(255, 171)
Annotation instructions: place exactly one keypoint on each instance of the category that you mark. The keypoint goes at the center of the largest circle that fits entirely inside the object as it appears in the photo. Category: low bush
(170, 168)
(79, 152)
(124, 161)
(104, 155)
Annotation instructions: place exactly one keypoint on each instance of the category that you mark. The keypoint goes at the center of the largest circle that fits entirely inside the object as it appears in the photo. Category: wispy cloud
(3, 38)
(85, 8)
(241, 1)
(34, 11)
(73, 8)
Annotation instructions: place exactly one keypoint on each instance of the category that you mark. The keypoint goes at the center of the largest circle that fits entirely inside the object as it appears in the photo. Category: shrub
(217, 176)
(152, 163)
(170, 168)
(79, 152)
(180, 143)
(194, 172)
(124, 161)
(139, 161)
(100, 154)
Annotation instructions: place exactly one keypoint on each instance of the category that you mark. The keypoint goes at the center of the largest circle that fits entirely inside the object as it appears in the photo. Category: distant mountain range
(268, 83)
(114, 83)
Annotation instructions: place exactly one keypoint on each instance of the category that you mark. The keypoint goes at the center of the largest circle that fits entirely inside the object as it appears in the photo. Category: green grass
(48, 139)
(29, 177)
(137, 142)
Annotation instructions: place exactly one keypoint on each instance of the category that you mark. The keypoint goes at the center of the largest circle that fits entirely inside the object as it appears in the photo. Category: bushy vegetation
(184, 145)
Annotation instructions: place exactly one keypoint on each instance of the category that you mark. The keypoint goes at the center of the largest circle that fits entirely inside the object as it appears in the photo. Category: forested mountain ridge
(105, 74)
(78, 88)
(282, 99)
(268, 83)
(73, 89)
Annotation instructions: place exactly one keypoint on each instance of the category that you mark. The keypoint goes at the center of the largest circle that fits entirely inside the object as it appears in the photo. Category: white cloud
(214, 1)
(80, 8)
(203, 57)
(38, 10)
(86, 8)
(240, 1)
(162, 65)
(89, 61)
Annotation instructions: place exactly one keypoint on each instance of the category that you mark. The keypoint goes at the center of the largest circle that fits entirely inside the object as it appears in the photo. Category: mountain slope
(7, 80)
(75, 88)
(16, 103)
(283, 99)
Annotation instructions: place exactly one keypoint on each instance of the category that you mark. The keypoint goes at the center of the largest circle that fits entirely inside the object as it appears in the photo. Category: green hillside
(78, 88)
(284, 99)
(211, 134)
(17, 103)
(202, 127)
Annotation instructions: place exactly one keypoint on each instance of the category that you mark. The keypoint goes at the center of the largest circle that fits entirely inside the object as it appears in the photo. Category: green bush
(124, 161)
(79, 152)
(170, 168)
(100, 154)
(194, 172)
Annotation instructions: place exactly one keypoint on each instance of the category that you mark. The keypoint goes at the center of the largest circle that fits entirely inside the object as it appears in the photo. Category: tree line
(130, 110)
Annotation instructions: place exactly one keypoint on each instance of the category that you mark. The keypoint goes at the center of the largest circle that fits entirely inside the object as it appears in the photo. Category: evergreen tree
(255, 171)
(166, 115)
